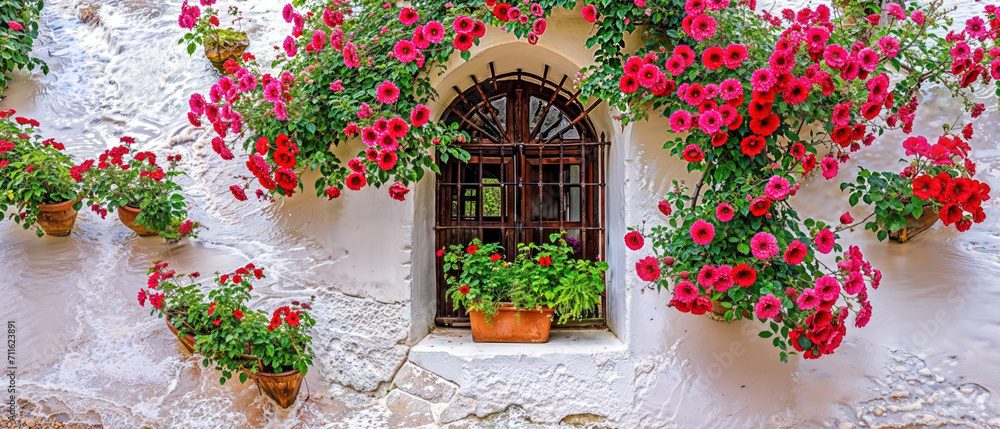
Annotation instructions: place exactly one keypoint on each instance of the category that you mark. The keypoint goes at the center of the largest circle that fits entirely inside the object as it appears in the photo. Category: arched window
(537, 168)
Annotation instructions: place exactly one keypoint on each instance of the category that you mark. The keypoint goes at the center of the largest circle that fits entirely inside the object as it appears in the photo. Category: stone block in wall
(417, 381)
(407, 411)
(459, 408)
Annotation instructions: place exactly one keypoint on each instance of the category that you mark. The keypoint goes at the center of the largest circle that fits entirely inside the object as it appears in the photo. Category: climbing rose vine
(347, 76)
(756, 118)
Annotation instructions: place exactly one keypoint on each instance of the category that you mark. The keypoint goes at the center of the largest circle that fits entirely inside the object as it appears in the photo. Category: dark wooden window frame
(531, 143)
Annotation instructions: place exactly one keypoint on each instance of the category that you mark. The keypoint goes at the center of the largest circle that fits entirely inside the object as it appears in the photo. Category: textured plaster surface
(576, 372)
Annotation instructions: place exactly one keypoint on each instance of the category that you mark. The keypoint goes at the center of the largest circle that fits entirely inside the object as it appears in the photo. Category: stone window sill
(458, 343)
(579, 372)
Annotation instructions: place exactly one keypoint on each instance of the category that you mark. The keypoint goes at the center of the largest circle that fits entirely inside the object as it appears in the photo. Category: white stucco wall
(386, 268)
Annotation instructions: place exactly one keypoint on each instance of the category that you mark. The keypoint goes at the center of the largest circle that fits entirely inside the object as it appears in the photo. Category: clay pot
(57, 219)
(188, 340)
(127, 216)
(218, 53)
(718, 312)
(511, 325)
(915, 226)
(282, 388)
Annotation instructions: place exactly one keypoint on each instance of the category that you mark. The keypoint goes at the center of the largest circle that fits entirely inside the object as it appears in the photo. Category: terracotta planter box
(188, 340)
(511, 325)
(127, 216)
(57, 219)
(915, 226)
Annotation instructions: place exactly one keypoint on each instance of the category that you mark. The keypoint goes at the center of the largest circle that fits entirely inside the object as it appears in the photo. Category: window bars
(536, 168)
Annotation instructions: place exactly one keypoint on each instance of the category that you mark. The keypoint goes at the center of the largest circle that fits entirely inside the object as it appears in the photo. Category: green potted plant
(517, 301)
(35, 177)
(143, 192)
(220, 44)
(273, 350)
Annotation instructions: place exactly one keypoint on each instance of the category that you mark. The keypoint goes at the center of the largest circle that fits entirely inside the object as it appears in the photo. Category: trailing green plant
(18, 31)
(33, 171)
(127, 177)
(232, 337)
(545, 275)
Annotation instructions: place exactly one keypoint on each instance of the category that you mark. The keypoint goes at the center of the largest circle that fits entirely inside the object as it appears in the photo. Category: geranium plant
(33, 171)
(546, 275)
(938, 179)
(755, 119)
(125, 176)
(231, 336)
(18, 31)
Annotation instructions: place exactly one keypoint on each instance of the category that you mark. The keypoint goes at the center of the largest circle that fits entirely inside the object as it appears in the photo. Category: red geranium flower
(950, 213)
(286, 178)
(760, 206)
(589, 13)
(496, 257)
(648, 269)
(753, 145)
(765, 126)
(744, 275)
(702, 232)
(634, 240)
(926, 187)
(355, 181)
(284, 158)
(664, 208)
(471, 249)
(398, 192)
(463, 41)
(237, 314)
(796, 253)
(692, 153)
(545, 261)
(713, 58)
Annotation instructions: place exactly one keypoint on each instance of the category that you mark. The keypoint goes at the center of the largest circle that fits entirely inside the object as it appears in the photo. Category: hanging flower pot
(127, 215)
(188, 340)
(57, 219)
(915, 226)
(225, 44)
(718, 312)
(282, 388)
(512, 325)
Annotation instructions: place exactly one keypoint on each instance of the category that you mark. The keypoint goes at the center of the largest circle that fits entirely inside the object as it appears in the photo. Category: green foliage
(16, 45)
(32, 171)
(545, 275)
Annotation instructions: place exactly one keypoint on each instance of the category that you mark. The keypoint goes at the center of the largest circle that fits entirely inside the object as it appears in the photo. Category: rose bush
(755, 119)
(356, 70)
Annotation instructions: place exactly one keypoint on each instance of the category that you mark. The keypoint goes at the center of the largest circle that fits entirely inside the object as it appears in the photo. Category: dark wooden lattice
(537, 167)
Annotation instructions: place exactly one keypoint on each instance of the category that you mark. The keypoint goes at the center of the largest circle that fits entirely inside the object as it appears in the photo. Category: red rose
(496, 257)
(237, 314)
(471, 249)
(545, 261)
